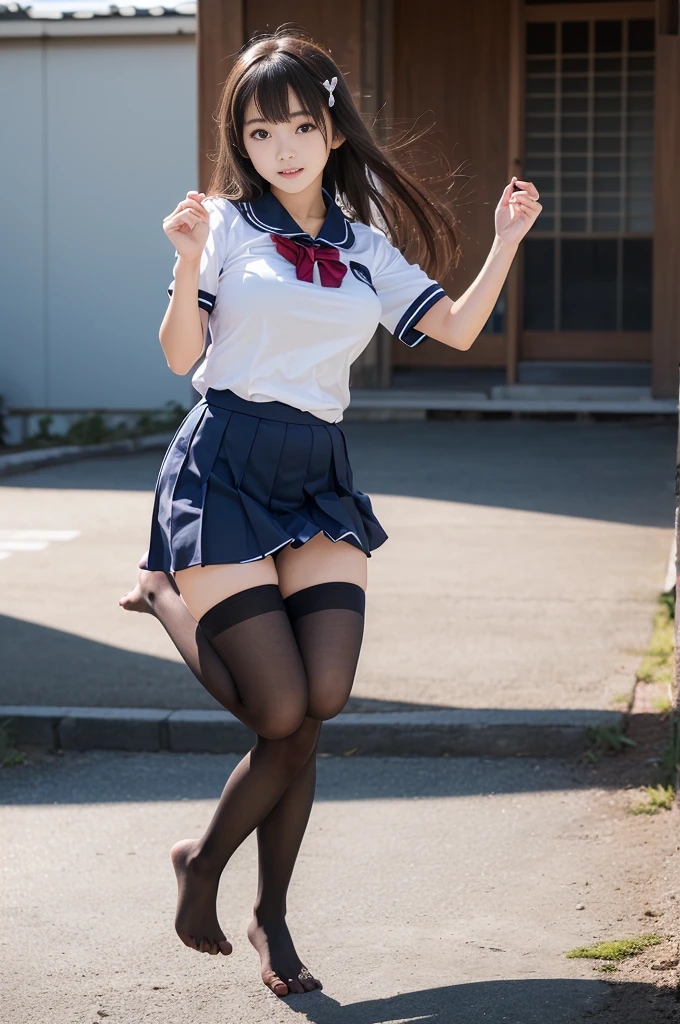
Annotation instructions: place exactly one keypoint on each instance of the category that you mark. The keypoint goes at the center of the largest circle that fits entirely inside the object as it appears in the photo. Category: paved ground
(522, 567)
(427, 890)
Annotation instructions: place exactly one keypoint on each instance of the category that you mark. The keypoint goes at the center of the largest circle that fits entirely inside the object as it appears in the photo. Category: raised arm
(458, 323)
(182, 331)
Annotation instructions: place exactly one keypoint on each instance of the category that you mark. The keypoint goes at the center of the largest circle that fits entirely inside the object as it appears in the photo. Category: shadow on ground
(536, 1001)
(618, 472)
(106, 776)
(49, 666)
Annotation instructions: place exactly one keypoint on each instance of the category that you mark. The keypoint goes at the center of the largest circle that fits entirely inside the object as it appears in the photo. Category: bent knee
(279, 723)
(324, 708)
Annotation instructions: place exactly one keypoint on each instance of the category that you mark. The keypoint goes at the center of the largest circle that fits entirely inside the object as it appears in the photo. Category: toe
(186, 939)
(295, 986)
(309, 984)
(278, 987)
(225, 946)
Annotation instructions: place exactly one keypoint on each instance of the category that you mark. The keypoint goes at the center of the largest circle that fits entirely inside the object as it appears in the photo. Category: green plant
(10, 755)
(168, 418)
(90, 429)
(657, 661)
(615, 949)
(44, 434)
(658, 798)
(604, 740)
(3, 421)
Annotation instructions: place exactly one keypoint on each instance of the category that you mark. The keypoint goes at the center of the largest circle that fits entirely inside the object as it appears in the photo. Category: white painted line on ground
(22, 545)
(38, 535)
(31, 540)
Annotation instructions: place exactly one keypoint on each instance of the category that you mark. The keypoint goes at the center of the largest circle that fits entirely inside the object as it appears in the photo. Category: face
(291, 155)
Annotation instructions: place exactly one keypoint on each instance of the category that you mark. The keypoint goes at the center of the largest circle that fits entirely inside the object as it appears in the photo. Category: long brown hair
(370, 183)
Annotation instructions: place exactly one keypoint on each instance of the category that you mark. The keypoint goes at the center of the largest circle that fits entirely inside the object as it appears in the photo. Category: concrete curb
(457, 733)
(23, 462)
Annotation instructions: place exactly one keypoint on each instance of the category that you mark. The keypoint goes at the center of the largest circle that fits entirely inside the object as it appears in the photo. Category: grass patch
(658, 798)
(10, 755)
(615, 949)
(657, 660)
(605, 740)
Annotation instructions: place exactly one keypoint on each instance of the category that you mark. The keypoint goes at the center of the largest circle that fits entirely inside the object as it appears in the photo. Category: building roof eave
(98, 26)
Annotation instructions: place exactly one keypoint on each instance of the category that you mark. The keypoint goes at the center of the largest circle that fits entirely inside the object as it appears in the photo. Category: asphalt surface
(522, 568)
(427, 890)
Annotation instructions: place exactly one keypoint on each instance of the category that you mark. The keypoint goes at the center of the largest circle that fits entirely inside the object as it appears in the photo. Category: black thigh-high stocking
(253, 636)
(328, 621)
(237, 665)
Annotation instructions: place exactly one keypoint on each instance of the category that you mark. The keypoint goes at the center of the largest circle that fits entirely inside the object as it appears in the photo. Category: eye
(256, 133)
(308, 125)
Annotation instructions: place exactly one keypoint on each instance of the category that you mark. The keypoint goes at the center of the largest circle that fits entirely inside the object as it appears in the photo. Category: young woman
(257, 565)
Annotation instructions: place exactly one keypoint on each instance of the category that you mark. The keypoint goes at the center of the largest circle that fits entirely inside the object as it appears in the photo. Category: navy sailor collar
(268, 214)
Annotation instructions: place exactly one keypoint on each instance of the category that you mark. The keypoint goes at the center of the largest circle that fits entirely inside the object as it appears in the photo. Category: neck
(307, 205)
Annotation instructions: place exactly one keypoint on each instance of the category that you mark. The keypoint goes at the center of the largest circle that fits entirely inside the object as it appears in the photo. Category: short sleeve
(405, 292)
(213, 255)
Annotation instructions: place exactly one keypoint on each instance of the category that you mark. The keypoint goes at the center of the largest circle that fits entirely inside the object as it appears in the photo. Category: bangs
(267, 82)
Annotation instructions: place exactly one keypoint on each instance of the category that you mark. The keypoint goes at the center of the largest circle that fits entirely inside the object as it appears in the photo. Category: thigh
(254, 638)
(329, 638)
(204, 586)
(320, 560)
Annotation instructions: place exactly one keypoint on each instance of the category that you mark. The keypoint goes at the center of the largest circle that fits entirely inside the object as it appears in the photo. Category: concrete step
(377, 403)
(483, 732)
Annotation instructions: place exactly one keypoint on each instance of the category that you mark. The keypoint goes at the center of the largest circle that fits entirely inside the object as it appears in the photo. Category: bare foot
(282, 970)
(196, 918)
(141, 597)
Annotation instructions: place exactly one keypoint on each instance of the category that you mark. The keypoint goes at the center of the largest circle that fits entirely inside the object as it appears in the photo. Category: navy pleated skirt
(242, 479)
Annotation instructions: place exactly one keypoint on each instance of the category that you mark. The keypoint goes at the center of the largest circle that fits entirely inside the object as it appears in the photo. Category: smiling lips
(290, 172)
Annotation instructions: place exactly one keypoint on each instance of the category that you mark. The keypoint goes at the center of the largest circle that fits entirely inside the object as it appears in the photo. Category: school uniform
(260, 461)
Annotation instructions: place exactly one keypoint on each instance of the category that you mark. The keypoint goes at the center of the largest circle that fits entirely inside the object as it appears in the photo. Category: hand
(517, 211)
(188, 226)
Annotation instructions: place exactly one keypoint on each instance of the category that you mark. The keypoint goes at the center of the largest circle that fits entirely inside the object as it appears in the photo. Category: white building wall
(99, 144)
(23, 349)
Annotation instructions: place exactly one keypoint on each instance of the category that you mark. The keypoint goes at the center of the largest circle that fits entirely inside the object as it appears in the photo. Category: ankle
(267, 915)
(203, 865)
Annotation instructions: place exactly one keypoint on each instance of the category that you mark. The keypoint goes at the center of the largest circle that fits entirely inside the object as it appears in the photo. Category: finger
(192, 204)
(529, 188)
(184, 217)
(526, 206)
(192, 200)
(507, 192)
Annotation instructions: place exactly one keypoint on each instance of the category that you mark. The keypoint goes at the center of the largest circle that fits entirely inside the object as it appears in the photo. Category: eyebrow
(261, 120)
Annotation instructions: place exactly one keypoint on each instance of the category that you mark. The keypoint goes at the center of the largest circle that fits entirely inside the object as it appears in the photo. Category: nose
(285, 150)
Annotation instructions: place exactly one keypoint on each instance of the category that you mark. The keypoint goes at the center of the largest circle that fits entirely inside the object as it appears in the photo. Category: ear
(338, 139)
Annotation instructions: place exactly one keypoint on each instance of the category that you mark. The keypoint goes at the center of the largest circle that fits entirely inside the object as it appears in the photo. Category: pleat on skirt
(242, 479)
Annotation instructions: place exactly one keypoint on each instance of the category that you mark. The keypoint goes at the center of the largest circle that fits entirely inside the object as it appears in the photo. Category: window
(589, 137)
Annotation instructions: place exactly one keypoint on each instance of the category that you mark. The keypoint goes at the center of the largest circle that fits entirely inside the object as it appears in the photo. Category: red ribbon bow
(331, 268)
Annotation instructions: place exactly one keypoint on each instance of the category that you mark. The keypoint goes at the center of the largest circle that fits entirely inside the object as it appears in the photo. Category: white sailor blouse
(289, 313)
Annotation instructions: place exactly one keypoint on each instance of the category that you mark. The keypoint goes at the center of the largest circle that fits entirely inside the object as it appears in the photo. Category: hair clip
(330, 86)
